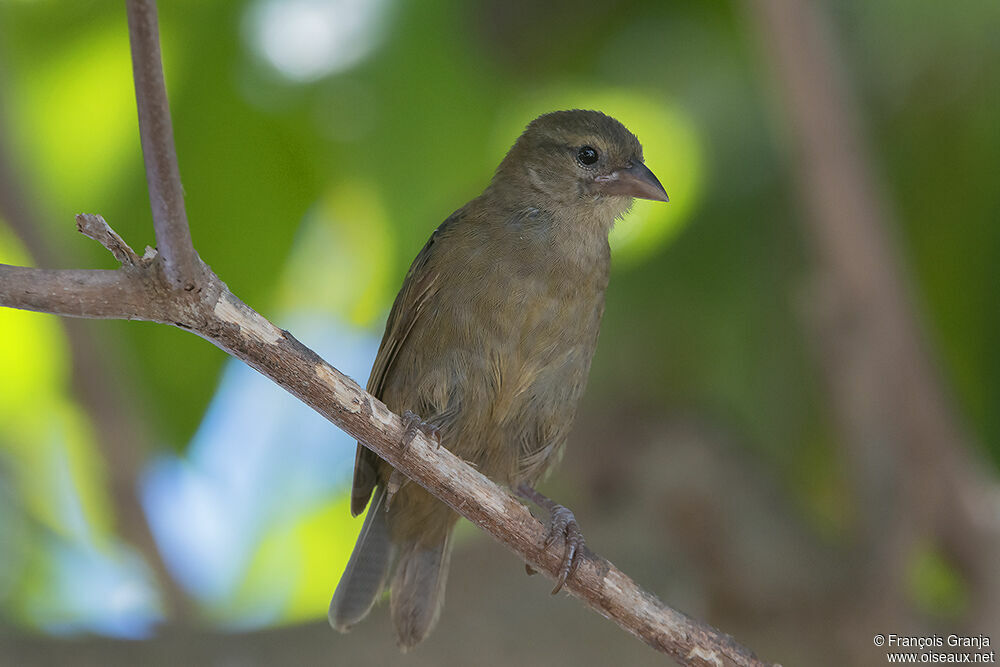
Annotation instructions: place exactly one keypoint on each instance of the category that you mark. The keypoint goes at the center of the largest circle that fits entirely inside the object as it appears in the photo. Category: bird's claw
(412, 423)
(563, 525)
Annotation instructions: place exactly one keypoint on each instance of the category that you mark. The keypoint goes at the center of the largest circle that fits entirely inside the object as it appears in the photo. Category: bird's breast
(500, 356)
(529, 339)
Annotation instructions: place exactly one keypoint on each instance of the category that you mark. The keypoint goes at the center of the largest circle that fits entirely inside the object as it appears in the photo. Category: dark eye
(587, 155)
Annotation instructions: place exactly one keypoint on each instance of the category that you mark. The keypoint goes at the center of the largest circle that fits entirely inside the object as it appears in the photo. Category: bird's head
(578, 159)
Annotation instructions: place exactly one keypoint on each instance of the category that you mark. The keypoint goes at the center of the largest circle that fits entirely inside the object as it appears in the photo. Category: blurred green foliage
(703, 312)
(935, 584)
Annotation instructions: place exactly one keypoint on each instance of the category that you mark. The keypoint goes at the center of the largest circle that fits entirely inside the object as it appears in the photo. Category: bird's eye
(587, 155)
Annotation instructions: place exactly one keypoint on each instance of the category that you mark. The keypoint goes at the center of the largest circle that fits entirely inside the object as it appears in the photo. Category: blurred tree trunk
(918, 481)
(102, 389)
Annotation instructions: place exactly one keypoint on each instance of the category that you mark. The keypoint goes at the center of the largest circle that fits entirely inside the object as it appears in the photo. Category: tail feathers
(418, 590)
(365, 575)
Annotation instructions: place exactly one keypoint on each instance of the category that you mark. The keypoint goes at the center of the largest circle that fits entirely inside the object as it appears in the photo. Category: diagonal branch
(166, 196)
(141, 292)
(147, 289)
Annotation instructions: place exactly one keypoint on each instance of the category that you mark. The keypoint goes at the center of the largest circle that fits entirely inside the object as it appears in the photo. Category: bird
(487, 349)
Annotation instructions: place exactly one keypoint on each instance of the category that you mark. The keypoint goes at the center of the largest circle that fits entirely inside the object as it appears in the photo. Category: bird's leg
(413, 423)
(562, 525)
(395, 482)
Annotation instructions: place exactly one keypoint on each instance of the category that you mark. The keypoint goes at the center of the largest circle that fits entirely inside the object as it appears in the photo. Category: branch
(140, 292)
(146, 289)
(95, 293)
(166, 196)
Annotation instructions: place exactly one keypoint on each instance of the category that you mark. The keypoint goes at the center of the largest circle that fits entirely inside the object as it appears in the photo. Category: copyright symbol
(879, 640)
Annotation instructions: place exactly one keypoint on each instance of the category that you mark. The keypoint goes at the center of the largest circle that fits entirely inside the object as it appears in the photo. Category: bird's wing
(420, 284)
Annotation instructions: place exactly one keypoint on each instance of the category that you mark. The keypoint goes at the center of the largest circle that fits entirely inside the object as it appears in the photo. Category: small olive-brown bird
(490, 341)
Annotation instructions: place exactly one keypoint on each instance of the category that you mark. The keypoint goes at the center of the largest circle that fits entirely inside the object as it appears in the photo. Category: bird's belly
(531, 377)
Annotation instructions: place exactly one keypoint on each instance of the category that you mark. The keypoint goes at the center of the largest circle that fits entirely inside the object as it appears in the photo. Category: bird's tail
(365, 575)
(418, 588)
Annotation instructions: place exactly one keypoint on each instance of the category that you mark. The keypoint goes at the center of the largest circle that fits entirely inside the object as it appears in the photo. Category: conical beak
(635, 181)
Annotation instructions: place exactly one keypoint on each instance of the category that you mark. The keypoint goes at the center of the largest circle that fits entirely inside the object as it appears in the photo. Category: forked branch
(174, 287)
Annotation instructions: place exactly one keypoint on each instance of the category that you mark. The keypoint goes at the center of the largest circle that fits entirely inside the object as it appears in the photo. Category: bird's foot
(562, 526)
(412, 423)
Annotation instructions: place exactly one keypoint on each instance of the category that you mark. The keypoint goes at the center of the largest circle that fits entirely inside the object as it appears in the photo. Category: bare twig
(146, 289)
(94, 227)
(173, 236)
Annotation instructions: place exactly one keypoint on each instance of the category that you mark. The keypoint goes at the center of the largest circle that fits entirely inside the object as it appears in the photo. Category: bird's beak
(634, 181)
